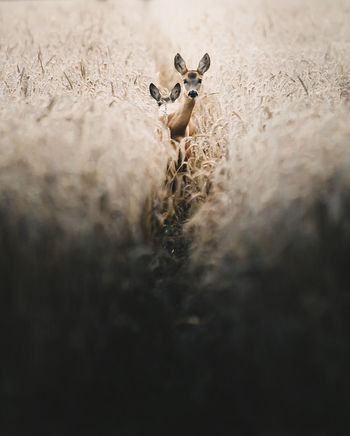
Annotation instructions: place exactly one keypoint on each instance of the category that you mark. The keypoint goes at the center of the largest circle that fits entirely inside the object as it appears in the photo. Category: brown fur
(179, 120)
(180, 123)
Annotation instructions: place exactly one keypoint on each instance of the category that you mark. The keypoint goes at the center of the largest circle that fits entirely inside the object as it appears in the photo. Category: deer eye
(199, 80)
(185, 81)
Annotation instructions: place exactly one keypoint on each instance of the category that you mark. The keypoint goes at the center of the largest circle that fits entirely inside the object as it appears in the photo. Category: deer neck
(180, 119)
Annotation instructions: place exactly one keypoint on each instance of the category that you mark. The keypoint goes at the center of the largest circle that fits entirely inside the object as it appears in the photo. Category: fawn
(166, 104)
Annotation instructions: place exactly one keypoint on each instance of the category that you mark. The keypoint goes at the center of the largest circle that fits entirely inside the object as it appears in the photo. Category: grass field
(131, 307)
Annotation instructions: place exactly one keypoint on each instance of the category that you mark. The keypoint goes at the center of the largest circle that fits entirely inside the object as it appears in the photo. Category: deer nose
(193, 94)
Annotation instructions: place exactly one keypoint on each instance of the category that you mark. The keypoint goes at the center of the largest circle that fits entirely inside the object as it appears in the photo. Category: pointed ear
(154, 91)
(204, 64)
(180, 64)
(175, 93)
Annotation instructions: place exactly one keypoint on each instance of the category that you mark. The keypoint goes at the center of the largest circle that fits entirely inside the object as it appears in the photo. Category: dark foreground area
(101, 336)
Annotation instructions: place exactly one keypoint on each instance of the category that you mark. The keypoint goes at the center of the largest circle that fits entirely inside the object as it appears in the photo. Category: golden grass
(78, 129)
(102, 332)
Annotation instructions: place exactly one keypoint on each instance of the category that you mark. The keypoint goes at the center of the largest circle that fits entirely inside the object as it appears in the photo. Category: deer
(178, 119)
(165, 102)
(180, 123)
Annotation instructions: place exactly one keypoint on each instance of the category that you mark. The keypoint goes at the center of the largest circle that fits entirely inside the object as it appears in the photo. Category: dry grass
(84, 179)
(75, 103)
(75, 109)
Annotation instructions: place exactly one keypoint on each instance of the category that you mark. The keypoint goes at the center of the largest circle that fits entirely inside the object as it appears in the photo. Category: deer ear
(180, 64)
(175, 93)
(204, 64)
(154, 91)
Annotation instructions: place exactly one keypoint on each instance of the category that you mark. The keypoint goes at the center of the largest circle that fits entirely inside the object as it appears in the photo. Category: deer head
(192, 79)
(175, 93)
